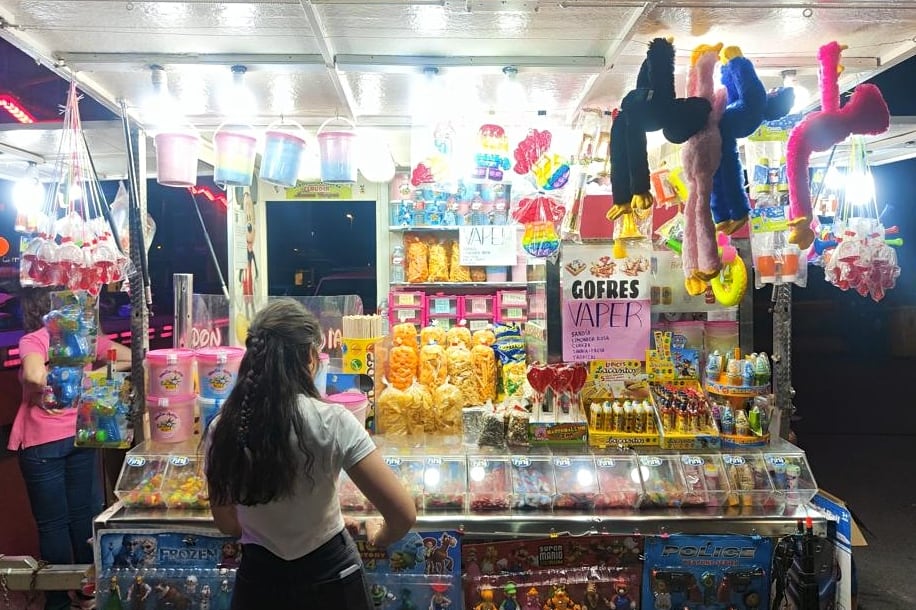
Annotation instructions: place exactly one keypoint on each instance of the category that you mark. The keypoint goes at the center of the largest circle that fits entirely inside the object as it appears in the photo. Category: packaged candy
(483, 360)
(532, 483)
(488, 483)
(492, 429)
(510, 349)
(517, 427)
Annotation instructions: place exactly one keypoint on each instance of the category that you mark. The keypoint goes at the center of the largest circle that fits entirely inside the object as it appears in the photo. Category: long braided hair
(252, 459)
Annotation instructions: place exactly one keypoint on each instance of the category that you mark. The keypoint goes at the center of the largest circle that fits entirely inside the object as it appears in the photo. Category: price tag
(514, 298)
(405, 314)
(442, 306)
(479, 306)
(521, 462)
(405, 299)
(515, 312)
(605, 463)
(475, 325)
(561, 462)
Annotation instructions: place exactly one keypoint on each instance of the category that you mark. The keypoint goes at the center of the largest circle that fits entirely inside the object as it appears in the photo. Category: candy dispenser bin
(705, 480)
(409, 471)
(791, 477)
(479, 310)
(662, 480)
(619, 483)
(533, 484)
(748, 480)
(444, 483)
(488, 483)
(576, 482)
(140, 481)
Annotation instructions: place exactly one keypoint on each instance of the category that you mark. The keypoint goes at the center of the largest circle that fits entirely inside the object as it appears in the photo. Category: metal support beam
(197, 59)
(413, 63)
(344, 94)
(782, 354)
(25, 155)
(24, 573)
(618, 44)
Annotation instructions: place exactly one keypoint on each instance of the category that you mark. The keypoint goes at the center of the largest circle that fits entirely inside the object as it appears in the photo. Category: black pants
(307, 583)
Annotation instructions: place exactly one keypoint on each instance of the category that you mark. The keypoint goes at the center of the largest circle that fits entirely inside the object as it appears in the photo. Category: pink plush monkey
(700, 158)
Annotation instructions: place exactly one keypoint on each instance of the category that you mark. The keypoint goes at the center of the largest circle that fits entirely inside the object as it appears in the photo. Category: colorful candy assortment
(488, 483)
(576, 483)
(532, 483)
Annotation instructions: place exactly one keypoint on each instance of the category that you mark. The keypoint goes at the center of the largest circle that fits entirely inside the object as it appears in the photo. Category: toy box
(555, 572)
(620, 382)
(707, 572)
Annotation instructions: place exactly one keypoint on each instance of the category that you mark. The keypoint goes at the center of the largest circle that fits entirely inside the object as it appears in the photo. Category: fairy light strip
(15, 108)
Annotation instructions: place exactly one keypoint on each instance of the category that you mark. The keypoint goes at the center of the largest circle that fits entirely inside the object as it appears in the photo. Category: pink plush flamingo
(700, 158)
(866, 113)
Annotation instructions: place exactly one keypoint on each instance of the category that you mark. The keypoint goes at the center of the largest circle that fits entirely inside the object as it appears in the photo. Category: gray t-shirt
(299, 524)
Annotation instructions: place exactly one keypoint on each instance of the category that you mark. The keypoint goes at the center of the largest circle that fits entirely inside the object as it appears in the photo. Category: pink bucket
(218, 369)
(171, 420)
(355, 402)
(171, 372)
(176, 158)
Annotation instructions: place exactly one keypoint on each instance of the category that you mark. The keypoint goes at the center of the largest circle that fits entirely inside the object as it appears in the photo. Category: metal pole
(782, 355)
(183, 287)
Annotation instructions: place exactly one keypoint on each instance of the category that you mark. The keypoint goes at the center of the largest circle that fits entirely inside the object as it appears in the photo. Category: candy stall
(561, 371)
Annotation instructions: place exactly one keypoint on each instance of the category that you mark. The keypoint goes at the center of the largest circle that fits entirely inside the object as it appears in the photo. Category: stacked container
(170, 396)
(479, 311)
(218, 370)
(407, 307)
(443, 310)
(511, 306)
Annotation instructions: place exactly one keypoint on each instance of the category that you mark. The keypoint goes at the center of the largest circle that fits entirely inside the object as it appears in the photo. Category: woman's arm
(34, 373)
(381, 487)
(226, 520)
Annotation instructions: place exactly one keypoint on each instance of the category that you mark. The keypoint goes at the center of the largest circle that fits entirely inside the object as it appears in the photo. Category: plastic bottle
(397, 263)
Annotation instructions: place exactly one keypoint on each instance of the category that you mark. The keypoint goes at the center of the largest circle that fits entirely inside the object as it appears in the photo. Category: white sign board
(488, 245)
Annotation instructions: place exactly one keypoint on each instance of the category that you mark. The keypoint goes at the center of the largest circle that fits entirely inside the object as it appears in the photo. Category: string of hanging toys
(67, 240)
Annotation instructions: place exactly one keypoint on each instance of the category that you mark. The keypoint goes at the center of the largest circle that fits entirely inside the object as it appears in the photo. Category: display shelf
(421, 285)
(751, 520)
(440, 228)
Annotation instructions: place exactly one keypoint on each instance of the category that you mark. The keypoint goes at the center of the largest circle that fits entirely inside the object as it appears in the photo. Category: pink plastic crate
(511, 306)
(407, 307)
(443, 305)
(480, 306)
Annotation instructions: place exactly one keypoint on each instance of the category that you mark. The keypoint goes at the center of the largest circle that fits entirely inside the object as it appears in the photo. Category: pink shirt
(33, 425)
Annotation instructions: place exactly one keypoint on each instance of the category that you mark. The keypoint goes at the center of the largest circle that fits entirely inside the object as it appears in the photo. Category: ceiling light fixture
(238, 101)
(512, 96)
(161, 110)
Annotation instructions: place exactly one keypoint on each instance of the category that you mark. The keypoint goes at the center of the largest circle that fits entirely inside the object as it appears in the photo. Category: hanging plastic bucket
(176, 158)
(171, 372)
(283, 153)
(171, 420)
(218, 369)
(235, 148)
(337, 150)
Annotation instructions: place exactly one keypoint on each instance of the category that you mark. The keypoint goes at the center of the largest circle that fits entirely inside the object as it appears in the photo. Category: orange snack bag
(417, 260)
(402, 366)
(457, 271)
(438, 262)
(431, 334)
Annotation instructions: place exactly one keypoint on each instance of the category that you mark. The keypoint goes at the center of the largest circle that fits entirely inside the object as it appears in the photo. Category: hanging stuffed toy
(866, 113)
(748, 105)
(700, 157)
(651, 106)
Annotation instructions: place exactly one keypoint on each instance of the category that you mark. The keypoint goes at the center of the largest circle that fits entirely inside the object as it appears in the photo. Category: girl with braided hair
(274, 455)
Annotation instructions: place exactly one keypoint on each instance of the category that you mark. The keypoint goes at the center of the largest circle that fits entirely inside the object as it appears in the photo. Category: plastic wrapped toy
(540, 215)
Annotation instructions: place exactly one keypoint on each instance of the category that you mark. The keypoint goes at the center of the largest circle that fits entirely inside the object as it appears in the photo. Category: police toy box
(707, 573)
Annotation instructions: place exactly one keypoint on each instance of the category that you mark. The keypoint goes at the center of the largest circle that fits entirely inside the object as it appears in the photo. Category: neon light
(206, 192)
(15, 108)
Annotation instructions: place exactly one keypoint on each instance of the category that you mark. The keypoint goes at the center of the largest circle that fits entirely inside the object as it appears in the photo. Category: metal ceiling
(310, 60)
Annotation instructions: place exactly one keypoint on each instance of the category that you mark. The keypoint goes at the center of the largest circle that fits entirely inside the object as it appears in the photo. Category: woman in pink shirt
(63, 481)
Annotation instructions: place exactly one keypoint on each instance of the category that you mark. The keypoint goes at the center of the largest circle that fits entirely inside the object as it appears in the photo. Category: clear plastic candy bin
(662, 480)
(409, 471)
(533, 484)
(619, 483)
(489, 484)
(576, 482)
(749, 481)
(156, 475)
(791, 476)
(705, 480)
(445, 483)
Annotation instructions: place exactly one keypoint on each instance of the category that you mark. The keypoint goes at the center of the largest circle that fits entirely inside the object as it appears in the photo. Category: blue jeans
(64, 487)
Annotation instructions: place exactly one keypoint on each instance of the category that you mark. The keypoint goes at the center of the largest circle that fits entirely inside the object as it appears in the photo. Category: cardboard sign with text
(605, 303)
(488, 245)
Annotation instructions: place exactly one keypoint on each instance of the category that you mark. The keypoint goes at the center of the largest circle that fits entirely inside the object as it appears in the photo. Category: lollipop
(576, 383)
(539, 379)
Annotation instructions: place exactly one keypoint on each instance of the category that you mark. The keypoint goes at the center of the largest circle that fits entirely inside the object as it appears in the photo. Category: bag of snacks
(459, 335)
(478, 274)
(433, 334)
(517, 427)
(420, 417)
(438, 262)
(433, 365)
(461, 373)
(402, 365)
(483, 361)
(457, 271)
(406, 332)
(447, 404)
(492, 428)
(417, 259)
(393, 407)
(510, 349)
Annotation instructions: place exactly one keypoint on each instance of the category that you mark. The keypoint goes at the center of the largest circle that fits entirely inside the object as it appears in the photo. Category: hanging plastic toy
(548, 171)
(540, 215)
(492, 158)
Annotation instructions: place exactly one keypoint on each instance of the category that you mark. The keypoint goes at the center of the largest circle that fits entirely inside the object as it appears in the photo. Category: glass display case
(533, 486)
(662, 480)
(576, 482)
